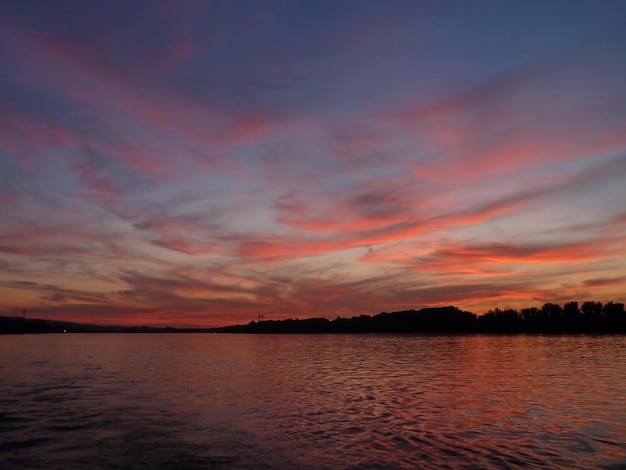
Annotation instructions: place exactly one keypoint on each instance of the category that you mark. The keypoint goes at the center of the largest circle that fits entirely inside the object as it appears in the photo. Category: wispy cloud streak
(197, 164)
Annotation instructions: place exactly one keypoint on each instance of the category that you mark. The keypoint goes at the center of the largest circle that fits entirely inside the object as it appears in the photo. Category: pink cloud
(605, 281)
(168, 120)
(48, 238)
(363, 213)
(553, 110)
(187, 234)
(185, 246)
(519, 254)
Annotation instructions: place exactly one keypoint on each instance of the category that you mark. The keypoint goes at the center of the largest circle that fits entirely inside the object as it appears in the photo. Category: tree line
(590, 317)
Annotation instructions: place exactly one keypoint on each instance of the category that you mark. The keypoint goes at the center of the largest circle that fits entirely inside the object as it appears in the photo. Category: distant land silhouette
(17, 325)
(590, 317)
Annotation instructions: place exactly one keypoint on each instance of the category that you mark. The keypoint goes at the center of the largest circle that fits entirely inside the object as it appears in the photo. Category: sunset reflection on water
(318, 401)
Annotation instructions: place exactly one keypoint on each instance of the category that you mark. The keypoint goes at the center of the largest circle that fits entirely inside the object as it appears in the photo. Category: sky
(197, 163)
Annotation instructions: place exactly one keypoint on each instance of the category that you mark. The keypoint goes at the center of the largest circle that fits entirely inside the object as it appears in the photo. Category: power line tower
(260, 317)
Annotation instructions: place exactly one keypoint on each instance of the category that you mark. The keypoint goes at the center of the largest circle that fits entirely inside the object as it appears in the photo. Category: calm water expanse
(312, 402)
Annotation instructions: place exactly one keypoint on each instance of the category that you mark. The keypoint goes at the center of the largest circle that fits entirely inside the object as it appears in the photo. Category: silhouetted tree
(551, 316)
(531, 318)
(500, 321)
(591, 315)
(614, 317)
(571, 316)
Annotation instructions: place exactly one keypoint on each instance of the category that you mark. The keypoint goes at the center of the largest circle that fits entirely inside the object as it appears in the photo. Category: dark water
(323, 402)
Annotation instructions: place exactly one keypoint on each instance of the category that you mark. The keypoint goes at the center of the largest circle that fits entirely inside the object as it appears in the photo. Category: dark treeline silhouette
(428, 320)
(591, 317)
(21, 325)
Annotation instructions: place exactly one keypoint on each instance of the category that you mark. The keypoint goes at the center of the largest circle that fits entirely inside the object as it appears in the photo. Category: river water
(223, 401)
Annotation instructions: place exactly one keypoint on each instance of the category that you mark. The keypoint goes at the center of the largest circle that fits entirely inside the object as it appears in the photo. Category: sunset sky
(193, 163)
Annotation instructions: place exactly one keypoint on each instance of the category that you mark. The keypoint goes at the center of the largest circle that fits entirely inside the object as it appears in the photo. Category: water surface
(312, 401)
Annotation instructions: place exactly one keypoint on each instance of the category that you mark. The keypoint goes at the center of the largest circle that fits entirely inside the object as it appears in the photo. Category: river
(174, 401)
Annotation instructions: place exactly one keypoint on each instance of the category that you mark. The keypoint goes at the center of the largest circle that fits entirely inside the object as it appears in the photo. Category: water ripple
(312, 402)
